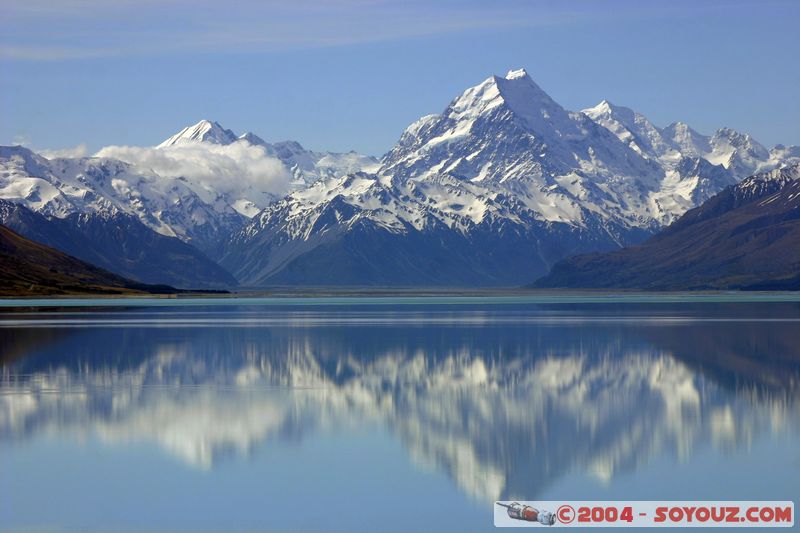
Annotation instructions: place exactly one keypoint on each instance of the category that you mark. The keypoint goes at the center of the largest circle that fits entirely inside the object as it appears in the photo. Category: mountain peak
(733, 136)
(679, 126)
(533, 105)
(605, 111)
(604, 108)
(516, 90)
(252, 138)
(679, 129)
(203, 131)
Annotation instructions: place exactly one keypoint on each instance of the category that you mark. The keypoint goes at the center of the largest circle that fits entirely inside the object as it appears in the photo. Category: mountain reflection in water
(504, 401)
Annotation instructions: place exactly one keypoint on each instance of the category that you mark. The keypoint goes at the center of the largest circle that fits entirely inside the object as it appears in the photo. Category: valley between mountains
(494, 191)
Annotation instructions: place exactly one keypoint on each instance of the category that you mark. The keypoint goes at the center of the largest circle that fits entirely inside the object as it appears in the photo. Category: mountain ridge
(503, 175)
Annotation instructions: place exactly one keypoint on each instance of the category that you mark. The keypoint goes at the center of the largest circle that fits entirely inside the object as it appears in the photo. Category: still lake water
(391, 414)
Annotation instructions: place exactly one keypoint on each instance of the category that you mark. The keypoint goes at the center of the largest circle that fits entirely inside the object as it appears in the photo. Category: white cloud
(76, 151)
(232, 168)
(21, 140)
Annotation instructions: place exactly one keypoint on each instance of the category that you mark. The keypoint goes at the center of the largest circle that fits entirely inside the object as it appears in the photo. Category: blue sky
(351, 74)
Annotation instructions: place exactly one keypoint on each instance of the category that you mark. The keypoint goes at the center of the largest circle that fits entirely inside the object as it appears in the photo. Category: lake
(390, 413)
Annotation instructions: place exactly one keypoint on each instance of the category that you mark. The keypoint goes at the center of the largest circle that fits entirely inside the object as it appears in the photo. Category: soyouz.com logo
(644, 514)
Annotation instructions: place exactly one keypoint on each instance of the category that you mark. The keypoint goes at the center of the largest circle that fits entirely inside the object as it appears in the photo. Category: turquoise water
(390, 413)
(328, 301)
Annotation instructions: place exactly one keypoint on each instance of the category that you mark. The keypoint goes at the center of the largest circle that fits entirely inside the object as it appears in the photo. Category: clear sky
(351, 74)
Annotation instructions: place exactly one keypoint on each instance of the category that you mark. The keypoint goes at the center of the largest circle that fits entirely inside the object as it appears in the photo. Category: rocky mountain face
(745, 237)
(120, 243)
(498, 186)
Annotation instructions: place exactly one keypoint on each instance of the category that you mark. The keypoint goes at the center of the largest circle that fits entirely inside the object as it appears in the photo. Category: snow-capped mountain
(490, 191)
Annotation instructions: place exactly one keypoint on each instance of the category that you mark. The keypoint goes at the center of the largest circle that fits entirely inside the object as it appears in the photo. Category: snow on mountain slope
(507, 131)
(785, 154)
(690, 175)
(635, 130)
(738, 153)
(686, 140)
(366, 229)
(764, 186)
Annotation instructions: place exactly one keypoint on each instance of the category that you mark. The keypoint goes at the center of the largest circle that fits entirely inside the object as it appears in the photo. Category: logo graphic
(639, 514)
(566, 514)
(527, 513)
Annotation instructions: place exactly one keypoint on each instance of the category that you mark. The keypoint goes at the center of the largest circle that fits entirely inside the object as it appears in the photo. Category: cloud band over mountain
(220, 167)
